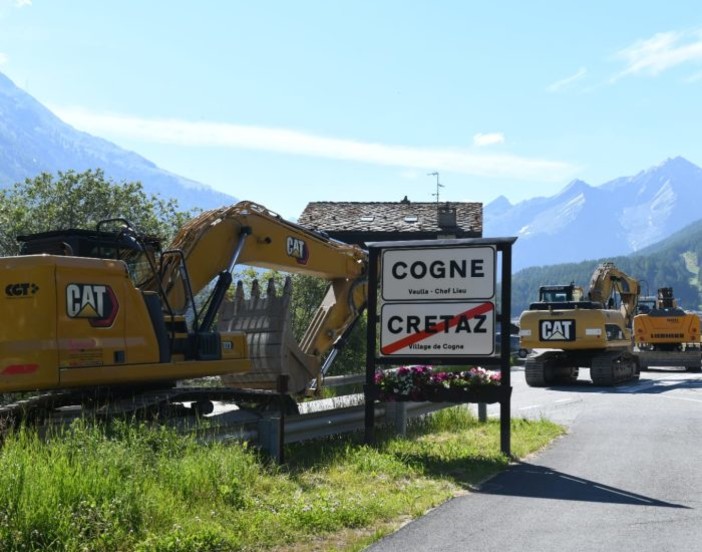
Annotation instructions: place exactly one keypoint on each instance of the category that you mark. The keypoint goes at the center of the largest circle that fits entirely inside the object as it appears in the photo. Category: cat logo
(297, 249)
(97, 303)
(557, 330)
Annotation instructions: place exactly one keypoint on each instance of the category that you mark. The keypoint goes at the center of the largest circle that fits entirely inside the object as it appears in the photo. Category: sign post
(434, 302)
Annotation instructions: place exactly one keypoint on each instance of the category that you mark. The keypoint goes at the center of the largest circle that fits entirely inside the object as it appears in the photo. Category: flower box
(422, 383)
(477, 394)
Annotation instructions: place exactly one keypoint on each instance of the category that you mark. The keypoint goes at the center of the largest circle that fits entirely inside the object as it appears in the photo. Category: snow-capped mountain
(34, 140)
(586, 222)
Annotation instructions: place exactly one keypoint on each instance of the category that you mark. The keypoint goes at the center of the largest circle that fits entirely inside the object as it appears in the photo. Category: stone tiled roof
(404, 216)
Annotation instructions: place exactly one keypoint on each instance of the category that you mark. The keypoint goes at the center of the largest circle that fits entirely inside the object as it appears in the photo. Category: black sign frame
(503, 246)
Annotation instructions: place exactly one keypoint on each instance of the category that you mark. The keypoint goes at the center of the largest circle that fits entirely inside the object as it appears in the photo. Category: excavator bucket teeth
(273, 349)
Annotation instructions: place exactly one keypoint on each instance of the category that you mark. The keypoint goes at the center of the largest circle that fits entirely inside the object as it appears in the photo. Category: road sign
(438, 273)
(447, 328)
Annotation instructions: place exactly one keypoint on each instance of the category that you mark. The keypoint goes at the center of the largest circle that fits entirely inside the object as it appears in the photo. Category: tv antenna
(438, 184)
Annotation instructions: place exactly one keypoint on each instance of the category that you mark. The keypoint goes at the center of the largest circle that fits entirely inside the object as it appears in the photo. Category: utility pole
(438, 185)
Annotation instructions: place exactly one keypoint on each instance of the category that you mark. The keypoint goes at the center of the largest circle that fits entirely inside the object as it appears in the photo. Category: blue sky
(284, 103)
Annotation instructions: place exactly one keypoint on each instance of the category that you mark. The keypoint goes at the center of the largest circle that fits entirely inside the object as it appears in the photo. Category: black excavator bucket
(273, 349)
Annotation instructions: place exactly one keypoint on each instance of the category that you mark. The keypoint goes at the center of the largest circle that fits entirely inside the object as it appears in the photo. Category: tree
(81, 200)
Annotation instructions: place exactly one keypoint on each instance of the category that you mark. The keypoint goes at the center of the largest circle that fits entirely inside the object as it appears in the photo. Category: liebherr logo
(557, 330)
(95, 302)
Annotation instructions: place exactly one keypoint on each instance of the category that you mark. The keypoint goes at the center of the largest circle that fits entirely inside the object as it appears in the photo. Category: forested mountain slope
(673, 262)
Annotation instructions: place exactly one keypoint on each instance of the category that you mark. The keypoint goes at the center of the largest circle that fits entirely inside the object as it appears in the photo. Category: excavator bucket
(273, 350)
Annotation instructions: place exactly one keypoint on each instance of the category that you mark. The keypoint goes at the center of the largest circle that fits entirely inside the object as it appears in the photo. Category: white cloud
(566, 82)
(695, 77)
(488, 139)
(661, 52)
(3, 58)
(9, 4)
(207, 134)
(410, 174)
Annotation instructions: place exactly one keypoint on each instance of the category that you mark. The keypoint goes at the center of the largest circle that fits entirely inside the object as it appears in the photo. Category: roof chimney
(446, 217)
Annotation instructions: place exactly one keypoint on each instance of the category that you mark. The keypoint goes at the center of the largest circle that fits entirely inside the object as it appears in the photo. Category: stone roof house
(364, 222)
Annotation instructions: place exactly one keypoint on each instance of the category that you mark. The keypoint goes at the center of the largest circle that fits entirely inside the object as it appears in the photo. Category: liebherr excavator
(109, 309)
(574, 331)
(666, 335)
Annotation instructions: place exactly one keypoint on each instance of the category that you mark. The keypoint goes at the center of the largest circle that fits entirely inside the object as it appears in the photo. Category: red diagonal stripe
(416, 338)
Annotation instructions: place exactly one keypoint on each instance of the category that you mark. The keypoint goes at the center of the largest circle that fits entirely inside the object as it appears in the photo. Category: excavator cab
(137, 251)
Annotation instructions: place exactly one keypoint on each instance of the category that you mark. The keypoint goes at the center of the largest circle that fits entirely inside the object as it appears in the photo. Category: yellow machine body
(573, 329)
(74, 322)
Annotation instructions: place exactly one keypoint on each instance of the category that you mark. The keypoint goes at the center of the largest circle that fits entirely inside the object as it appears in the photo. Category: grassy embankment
(145, 489)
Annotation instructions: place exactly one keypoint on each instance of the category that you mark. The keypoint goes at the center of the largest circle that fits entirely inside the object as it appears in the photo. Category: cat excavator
(88, 310)
(570, 330)
(666, 335)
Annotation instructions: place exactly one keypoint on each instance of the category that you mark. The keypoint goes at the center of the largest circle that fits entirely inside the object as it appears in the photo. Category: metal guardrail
(340, 381)
(315, 425)
(319, 419)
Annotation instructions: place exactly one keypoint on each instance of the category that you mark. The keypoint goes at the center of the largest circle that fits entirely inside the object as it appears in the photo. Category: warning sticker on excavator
(439, 329)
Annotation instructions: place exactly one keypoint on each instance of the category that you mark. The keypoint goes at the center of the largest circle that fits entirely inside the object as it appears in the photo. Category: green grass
(149, 489)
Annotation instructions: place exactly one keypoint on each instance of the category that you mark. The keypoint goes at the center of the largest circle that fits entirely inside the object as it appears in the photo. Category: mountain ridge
(34, 140)
(582, 221)
(672, 262)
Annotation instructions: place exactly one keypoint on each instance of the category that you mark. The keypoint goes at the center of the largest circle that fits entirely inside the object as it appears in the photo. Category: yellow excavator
(108, 308)
(666, 335)
(570, 330)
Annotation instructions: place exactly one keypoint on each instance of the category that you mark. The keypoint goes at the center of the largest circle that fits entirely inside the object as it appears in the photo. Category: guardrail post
(396, 414)
(269, 436)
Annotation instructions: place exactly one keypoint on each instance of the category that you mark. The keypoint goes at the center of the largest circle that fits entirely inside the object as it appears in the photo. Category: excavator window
(100, 245)
(556, 296)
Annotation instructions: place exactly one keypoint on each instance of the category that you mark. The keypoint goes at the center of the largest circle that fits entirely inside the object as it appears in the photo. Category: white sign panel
(439, 274)
(437, 329)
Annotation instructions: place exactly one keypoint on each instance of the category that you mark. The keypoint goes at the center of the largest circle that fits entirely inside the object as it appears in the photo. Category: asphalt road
(627, 476)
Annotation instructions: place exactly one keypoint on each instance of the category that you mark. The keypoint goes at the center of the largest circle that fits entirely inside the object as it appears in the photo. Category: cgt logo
(97, 303)
(297, 249)
(557, 330)
(21, 290)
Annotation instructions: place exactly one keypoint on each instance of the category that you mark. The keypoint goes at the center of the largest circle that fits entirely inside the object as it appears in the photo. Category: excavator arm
(607, 279)
(212, 244)
(250, 234)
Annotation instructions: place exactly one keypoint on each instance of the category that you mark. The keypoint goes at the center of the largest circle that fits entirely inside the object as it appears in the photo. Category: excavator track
(611, 368)
(690, 359)
(550, 368)
(537, 372)
(158, 403)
